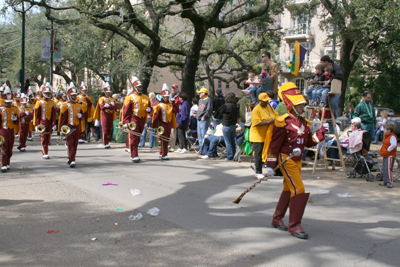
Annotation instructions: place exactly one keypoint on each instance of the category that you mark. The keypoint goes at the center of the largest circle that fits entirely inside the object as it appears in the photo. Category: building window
(307, 56)
(227, 85)
(219, 84)
(301, 24)
(300, 83)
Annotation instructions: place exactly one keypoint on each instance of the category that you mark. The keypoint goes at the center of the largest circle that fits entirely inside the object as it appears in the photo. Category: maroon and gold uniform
(9, 125)
(164, 115)
(106, 113)
(87, 104)
(289, 132)
(26, 116)
(69, 115)
(45, 114)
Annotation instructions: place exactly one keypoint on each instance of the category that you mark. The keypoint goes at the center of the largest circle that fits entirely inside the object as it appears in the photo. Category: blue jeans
(229, 137)
(323, 95)
(144, 133)
(253, 91)
(210, 145)
(369, 127)
(202, 127)
(333, 103)
(377, 134)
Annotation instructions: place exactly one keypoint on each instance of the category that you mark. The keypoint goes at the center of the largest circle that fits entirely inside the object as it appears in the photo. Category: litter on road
(343, 195)
(135, 192)
(109, 183)
(324, 192)
(153, 211)
(136, 217)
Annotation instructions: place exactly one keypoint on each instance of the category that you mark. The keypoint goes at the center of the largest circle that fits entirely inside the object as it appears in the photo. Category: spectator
(229, 114)
(9, 84)
(209, 148)
(182, 119)
(153, 103)
(388, 151)
(338, 74)
(350, 114)
(273, 70)
(26, 86)
(193, 121)
(194, 107)
(315, 87)
(380, 126)
(203, 114)
(366, 112)
(217, 102)
(262, 116)
(323, 93)
(266, 83)
(273, 102)
(254, 83)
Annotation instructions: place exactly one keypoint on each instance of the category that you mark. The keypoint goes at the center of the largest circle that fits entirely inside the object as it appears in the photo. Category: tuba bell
(40, 128)
(119, 125)
(1, 140)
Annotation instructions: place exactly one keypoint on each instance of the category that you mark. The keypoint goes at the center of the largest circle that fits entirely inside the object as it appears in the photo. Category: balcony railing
(299, 33)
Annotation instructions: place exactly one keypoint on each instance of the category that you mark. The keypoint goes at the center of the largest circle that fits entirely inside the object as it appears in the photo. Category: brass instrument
(82, 102)
(159, 131)
(66, 131)
(1, 140)
(59, 104)
(107, 100)
(130, 129)
(22, 109)
(40, 129)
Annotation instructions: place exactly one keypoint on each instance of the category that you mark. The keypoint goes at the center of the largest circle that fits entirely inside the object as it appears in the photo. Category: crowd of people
(272, 128)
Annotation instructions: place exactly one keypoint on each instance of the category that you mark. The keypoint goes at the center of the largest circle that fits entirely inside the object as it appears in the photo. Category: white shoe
(22, 149)
(3, 169)
(107, 146)
(171, 150)
(8, 167)
(184, 151)
(66, 145)
(253, 166)
(17, 135)
(203, 157)
(178, 151)
(135, 159)
(165, 158)
(127, 150)
(30, 139)
(46, 156)
(80, 141)
(259, 176)
(72, 164)
(64, 138)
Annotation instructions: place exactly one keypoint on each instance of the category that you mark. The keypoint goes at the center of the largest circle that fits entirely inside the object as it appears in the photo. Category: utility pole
(112, 46)
(22, 72)
(51, 53)
(1, 65)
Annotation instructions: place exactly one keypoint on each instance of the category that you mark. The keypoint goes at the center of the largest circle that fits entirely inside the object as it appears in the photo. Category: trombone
(2, 140)
(66, 131)
(130, 129)
(40, 129)
(159, 131)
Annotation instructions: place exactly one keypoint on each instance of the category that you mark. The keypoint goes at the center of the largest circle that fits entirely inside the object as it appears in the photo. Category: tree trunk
(191, 62)
(210, 77)
(347, 60)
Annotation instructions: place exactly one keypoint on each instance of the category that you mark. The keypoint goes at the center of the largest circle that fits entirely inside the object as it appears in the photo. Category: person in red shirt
(9, 125)
(388, 151)
(290, 131)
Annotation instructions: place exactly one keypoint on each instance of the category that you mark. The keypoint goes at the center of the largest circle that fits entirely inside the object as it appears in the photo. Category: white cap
(48, 85)
(71, 85)
(355, 120)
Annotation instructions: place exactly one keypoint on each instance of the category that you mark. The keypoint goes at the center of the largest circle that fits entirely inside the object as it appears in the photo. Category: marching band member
(71, 115)
(121, 120)
(136, 107)
(290, 131)
(31, 104)
(164, 115)
(9, 125)
(105, 111)
(2, 88)
(57, 99)
(86, 101)
(39, 93)
(26, 116)
(17, 100)
(45, 114)
(174, 99)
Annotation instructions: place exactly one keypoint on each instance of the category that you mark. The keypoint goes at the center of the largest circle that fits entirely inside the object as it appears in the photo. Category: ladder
(334, 90)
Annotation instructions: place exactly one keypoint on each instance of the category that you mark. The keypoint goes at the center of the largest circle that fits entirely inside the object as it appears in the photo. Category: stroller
(363, 161)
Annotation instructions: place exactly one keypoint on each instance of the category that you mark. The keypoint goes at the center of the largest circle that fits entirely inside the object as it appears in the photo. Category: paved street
(198, 225)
